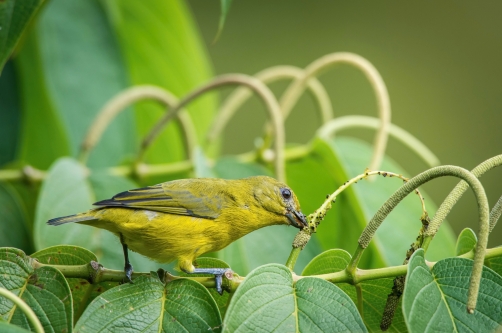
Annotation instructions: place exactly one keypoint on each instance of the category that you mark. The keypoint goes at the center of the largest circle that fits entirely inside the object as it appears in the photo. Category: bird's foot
(218, 275)
(128, 272)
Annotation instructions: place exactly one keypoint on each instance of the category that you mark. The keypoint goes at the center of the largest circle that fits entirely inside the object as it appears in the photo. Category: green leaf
(267, 301)
(374, 292)
(82, 291)
(225, 7)
(14, 18)
(64, 255)
(436, 300)
(9, 328)
(313, 177)
(43, 136)
(13, 221)
(231, 168)
(402, 225)
(495, 264)
(11, 114)
(202, 165)
(330, 261)
(66, 191)
(205, 262)
(148, 305)
(466, 242)
(44, 290)
(171, 56)
(83, 73)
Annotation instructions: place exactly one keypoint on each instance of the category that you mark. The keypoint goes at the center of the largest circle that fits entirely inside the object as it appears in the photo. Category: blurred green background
(441, 62)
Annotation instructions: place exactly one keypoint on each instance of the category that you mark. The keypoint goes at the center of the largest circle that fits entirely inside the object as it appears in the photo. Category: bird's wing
(165, 200)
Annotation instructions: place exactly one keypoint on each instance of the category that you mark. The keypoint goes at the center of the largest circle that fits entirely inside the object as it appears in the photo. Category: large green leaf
(14, 18)
(149, 306)
(314, 176)
(44, 290)
(67, 190)
(82, 291)
(374, 292)
(83, 69)
(436, 300)
(43, 136)
(11, 114)
(401, 227)
(13, 220)
(267, 302)
(161, 47)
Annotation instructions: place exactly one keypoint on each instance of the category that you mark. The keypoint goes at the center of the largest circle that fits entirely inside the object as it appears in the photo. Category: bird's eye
(286, 193)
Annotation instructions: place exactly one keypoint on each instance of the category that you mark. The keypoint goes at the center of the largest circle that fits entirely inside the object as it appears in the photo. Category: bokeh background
(441, 62)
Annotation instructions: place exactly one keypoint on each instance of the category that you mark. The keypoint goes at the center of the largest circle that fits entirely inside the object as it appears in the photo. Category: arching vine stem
(411, 185)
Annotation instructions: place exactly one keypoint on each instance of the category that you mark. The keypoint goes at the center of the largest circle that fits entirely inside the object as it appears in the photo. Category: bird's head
(277, 198)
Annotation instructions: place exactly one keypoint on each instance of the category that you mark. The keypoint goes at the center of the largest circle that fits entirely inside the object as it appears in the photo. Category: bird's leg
(127, 265)
(218, 275)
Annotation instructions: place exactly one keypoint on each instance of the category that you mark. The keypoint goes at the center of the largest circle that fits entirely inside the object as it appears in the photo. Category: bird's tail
(71, 219)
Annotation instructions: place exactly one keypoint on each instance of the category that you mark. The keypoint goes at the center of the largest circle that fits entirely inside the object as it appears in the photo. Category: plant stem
(94, 273)
(269, 75)
(329, 129)
(455, 195)
(293, 93)
(293, 256)
(262, 91)
(121, 101)
(483, 210)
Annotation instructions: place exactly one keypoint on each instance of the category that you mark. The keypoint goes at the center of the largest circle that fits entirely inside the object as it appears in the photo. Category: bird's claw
(128, 272)
(218, 276)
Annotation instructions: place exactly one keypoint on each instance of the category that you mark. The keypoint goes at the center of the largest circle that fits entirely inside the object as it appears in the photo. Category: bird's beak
(297, 219)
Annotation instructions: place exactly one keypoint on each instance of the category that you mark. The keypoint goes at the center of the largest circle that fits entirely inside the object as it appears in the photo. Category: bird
(185, 218)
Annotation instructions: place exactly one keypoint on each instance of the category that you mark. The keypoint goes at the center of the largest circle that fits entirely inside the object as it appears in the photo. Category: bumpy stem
(315, 218)
(455, 195)
(483, 209)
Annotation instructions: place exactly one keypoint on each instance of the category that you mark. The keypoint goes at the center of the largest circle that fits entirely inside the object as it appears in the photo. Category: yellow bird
(183, 219)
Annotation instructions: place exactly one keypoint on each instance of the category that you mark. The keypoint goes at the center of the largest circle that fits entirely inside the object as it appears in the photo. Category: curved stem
(455, 195)
(330, 128)
(292, 94)
(28, 312)
(316, 217)
(412, 184)
(121, 101)
(270, 75)
(225, 80)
